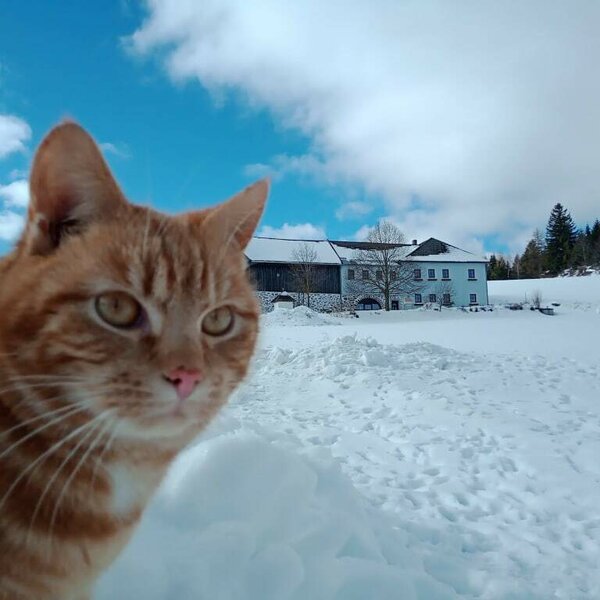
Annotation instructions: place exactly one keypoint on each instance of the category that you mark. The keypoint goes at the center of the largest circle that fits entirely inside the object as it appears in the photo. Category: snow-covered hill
(419, 455)
(576, 292)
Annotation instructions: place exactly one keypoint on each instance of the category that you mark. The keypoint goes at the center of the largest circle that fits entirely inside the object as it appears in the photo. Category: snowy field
(409, 455)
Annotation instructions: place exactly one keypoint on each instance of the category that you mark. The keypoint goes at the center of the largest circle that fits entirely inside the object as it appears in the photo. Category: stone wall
(319, 302)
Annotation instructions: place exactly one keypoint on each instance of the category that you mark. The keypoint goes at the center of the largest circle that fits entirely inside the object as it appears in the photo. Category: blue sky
(178, 147)
(193, 101)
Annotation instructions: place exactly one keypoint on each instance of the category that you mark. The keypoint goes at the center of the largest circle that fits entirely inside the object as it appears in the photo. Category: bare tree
(444, 291)
(380, 269)
(536, 299)
(304, 270)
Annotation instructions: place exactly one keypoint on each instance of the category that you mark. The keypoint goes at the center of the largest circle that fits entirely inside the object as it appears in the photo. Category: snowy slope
(579, 292)
(424, 455)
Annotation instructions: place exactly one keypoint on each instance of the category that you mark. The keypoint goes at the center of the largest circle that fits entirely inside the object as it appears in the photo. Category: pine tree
(532, 260)
(595, 243)
(561, 236)
(516, 272)
(492, 266)
(581, 254)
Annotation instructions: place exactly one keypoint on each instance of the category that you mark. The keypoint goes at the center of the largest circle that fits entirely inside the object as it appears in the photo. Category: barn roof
(336, 252)
(266, 249)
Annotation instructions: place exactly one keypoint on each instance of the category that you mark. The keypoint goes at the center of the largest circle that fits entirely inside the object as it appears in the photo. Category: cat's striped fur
(88, 420)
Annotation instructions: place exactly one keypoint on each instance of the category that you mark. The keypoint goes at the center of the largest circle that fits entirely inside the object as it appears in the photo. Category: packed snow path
(477, 474)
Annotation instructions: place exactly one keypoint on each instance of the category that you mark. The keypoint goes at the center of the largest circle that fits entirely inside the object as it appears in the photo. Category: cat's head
(115, 307)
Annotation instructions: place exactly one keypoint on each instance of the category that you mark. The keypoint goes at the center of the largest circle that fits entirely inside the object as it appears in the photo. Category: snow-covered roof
(347, 251)
(276, 250)
(283, 297)
(450, 254)
(264, 249)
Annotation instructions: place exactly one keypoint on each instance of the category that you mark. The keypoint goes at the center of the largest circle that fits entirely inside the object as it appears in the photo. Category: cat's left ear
(70, 187)
(235, 220)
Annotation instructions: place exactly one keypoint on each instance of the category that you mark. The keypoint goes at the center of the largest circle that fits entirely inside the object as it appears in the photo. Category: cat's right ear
(70, 187)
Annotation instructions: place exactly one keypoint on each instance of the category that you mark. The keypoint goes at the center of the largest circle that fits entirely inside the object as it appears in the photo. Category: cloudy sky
(465, 121)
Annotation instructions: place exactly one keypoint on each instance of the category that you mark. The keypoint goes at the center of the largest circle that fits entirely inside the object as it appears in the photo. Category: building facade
(433, 272)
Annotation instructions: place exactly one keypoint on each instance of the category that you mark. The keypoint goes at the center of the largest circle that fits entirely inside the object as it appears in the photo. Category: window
(431, 273)
(446, 299)
(350, 273)
(393, 275)
(418, 299)
(417, 274)
(379, 274)
(471, 273)
(445, 273)
(472, 298)
(432, 298)
(365, 274)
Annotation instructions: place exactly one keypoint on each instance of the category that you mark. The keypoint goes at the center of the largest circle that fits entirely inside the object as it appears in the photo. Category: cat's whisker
(57, 471)
(43, 456)
(36, 418)
(17, 386)
(47, 376)
(106, 448)
(76, 409)
(97, 420)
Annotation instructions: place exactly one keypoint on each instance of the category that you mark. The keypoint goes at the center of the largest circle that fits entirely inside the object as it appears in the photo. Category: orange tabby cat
(122, 332)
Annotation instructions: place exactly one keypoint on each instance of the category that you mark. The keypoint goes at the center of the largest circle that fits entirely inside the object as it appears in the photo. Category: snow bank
(360, 462)
(575, 292)
(301, 315)
(244, 516)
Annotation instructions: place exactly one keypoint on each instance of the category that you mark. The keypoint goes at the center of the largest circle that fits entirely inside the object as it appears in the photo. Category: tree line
(562, 247)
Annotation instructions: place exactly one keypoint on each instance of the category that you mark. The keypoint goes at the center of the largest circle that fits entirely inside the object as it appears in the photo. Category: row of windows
(417, 274)
(431, 274)
(365, 274)
(446, 299)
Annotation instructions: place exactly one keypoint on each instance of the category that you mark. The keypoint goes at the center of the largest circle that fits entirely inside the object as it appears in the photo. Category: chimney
(414, 243)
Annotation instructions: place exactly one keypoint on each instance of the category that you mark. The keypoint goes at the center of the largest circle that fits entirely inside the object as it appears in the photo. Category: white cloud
(120, 150)
(283, 165)
(362, 233)
(489, 112)
(353, 210)
(11, 225)
(15, 194)
(14, 133)
(301, 231)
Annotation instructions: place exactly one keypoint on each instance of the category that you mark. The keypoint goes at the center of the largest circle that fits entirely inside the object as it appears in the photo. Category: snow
(575, 292)
(300, 315)
(416, 454)
(261, 249)
(453, 254)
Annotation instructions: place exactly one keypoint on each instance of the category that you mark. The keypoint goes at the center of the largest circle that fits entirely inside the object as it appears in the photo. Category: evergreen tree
(595, 243)
(561, 236)
(532, 260)
(516, 270)
(582, 250)
(492, 266)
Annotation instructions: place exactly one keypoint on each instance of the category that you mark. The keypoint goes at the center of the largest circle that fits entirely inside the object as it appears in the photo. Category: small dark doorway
(368, 304)
(395, 305)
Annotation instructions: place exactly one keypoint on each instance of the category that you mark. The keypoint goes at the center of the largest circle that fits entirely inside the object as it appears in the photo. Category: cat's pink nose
(184, 381)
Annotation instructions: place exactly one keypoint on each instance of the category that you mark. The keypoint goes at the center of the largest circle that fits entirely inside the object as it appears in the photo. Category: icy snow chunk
(240, 517)
(299, 316)
(374, 357)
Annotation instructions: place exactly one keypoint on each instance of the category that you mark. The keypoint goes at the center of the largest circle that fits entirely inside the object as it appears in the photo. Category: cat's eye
(218, 321)
(119, 309)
